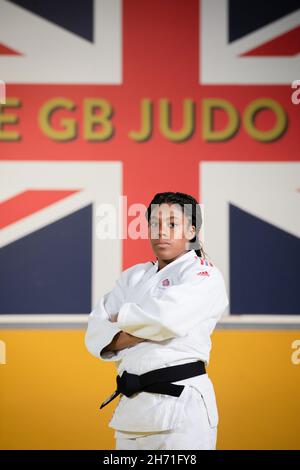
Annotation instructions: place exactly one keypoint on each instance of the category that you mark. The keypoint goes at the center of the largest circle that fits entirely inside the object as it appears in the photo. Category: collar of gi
(187, 255)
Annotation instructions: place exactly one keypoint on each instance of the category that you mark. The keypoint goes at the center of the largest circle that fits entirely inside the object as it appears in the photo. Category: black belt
(156, 381)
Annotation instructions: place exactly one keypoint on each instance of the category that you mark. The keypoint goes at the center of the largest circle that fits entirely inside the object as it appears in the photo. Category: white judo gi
(175, 309)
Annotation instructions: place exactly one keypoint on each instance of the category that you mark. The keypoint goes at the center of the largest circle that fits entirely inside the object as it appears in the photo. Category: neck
(164, 262)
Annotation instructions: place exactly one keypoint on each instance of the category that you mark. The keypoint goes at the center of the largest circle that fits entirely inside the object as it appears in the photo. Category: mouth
(162, 244)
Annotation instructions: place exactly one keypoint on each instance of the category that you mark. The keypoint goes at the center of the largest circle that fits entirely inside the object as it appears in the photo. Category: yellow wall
(51, 388)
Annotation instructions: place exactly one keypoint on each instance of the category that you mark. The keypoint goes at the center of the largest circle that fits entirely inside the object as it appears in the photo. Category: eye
(173, 223)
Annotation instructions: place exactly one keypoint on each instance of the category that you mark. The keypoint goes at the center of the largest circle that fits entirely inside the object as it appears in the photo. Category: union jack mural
(111, 98)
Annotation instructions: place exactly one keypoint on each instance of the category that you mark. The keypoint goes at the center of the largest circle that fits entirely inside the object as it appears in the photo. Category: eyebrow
(171, 217)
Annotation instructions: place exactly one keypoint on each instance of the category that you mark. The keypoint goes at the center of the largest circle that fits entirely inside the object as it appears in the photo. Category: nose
(160, 231)
(163, 230)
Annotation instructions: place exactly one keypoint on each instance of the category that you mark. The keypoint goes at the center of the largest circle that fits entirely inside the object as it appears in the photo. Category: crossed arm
(122, 339)
(104, 338)
(171, 315)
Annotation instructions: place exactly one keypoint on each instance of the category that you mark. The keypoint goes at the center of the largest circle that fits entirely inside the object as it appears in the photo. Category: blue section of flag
(264, 267)
(76, 17)
(49, 271)
(249, 15)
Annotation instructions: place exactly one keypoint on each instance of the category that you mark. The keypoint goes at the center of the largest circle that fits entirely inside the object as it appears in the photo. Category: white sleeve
(178, 310)
(101, 330)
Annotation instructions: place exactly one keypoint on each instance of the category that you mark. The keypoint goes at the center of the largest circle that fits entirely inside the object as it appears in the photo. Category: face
(169, 231)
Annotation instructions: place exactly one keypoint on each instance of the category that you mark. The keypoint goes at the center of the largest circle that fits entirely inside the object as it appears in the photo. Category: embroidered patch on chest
(165, 282)
(202, 273)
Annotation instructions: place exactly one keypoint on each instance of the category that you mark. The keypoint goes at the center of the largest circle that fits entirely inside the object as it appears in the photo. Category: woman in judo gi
(156, 325)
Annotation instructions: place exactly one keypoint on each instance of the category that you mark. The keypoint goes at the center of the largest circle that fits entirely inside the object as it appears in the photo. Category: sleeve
(178, 310)
(101, 330)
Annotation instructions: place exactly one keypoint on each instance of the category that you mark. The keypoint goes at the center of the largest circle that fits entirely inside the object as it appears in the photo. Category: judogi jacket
(175, 310)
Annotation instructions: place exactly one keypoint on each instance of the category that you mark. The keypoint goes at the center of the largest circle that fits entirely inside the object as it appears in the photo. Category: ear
(191, 232)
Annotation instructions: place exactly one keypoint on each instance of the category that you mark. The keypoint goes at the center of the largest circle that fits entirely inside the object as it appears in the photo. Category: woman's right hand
(126, 340)
(123, 340)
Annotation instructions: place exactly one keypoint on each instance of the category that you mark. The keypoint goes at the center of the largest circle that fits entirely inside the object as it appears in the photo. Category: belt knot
(128, 384)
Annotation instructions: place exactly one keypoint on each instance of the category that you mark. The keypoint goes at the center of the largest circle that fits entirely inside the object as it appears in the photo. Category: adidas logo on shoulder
(203, 261)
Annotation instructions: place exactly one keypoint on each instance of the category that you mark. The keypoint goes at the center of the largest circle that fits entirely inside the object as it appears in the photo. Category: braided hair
(191, 209)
